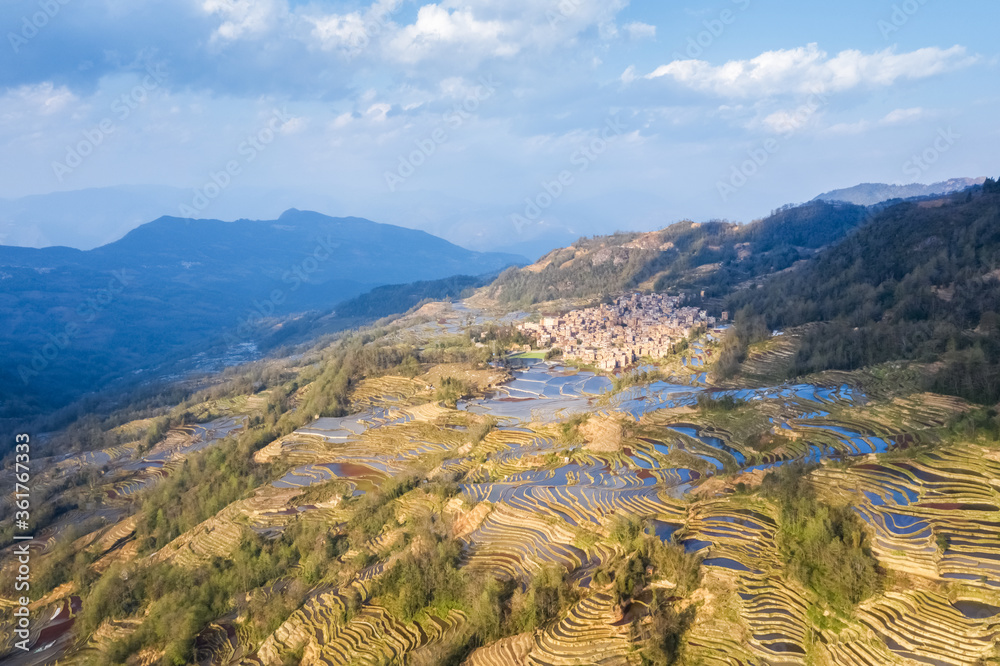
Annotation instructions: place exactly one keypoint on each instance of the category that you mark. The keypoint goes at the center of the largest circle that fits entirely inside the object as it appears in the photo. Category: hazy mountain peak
(868, 194)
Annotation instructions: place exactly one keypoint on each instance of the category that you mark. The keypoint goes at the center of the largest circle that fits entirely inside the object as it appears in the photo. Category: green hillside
(711, 256)
(919, 282)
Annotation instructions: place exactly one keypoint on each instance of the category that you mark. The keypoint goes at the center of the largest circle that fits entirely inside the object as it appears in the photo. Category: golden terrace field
(415, 505)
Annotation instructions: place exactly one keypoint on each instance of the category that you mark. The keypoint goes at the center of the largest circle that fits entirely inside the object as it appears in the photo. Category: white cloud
(894, 117)
(244, 18)
(378, 112)
(849, 128)
(340, 30)
(903, 116)
(457, 87)
(808, 114)
(438, 27)
(470, 30)
(463, 32)
(786, 122)
(293, 126)
(638, 30)
(808, 69)
(32, 101)
(342, 121)
(356, 30)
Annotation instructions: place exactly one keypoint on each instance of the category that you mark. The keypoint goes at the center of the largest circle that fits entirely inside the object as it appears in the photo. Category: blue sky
(493, 122)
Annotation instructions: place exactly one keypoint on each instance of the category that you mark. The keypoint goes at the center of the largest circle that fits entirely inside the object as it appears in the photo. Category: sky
(495, 123)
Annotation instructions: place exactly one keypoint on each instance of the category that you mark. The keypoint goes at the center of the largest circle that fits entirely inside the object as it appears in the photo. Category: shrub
(825, 547)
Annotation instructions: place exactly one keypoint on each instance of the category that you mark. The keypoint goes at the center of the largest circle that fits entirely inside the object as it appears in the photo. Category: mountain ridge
(162, 229)
(868, 194)
(689, 256)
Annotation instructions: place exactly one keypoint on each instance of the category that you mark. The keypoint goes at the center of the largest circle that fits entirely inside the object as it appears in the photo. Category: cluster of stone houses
(617, 335)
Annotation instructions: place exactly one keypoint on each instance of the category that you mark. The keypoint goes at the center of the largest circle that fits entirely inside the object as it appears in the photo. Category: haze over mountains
(78, 319)
(89, 218)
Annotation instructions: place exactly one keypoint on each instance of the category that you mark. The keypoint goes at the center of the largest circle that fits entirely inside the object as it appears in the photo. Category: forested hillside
(921, 282)
(394, 298)
(712, 256)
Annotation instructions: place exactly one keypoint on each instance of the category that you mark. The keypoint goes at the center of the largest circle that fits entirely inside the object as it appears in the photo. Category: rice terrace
(557, 514)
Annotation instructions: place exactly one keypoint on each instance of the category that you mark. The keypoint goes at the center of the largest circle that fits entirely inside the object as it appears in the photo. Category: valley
(79, 322)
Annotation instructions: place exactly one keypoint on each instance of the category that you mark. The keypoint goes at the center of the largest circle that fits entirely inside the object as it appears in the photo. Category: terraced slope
(318, 633)
(545, 474)
(544, 502)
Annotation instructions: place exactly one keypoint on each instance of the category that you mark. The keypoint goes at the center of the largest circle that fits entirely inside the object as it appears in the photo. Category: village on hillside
(617, 335)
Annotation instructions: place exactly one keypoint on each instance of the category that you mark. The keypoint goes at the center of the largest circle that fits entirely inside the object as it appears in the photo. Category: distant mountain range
(869, 194)
(170, 289)
(75, 320)
(89, 218)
